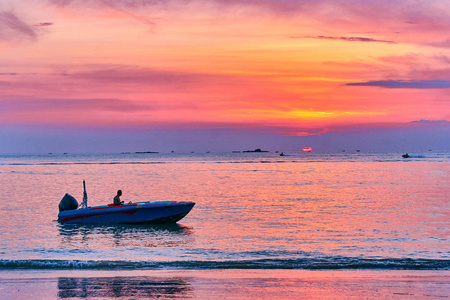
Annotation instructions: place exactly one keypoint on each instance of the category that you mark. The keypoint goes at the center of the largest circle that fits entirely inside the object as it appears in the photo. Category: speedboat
(138, 212)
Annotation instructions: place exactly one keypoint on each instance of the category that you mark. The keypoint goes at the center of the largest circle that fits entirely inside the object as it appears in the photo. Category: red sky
(270, 68)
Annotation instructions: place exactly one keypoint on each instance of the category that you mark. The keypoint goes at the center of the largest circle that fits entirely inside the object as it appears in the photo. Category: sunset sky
(134, 75)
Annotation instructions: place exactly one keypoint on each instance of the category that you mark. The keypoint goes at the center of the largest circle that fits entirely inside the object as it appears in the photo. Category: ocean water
(253, 211)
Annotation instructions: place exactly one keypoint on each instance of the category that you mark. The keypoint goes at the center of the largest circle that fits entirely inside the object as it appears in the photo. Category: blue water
(253, 211)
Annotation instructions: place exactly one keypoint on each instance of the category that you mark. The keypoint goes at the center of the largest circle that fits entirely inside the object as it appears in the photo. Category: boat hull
(140, 212)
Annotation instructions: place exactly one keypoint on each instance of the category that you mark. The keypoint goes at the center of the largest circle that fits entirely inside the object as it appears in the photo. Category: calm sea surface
(253, 210)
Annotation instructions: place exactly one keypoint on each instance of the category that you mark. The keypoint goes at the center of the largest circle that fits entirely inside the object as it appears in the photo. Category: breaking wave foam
(326, 263)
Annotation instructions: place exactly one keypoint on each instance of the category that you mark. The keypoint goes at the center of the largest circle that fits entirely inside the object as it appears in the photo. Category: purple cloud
(431, 122)
(441, 44)
(346, 38)
(131, 75)
(43, 24)
(83, 105)
(399, 84)
(379, 11)
(11, 27)
(125, 74)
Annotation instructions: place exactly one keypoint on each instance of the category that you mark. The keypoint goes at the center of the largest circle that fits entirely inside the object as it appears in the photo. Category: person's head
(119, 193)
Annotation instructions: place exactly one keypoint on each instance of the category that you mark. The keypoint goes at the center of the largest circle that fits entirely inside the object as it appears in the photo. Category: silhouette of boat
(256, 150)
(144, 152)
(405, 155)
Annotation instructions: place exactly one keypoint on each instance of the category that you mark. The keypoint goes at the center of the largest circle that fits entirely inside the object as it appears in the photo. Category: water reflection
(161, 235)
(123, 287)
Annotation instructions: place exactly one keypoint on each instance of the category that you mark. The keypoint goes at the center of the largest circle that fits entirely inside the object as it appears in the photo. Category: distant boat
(144, 152)
(405, 155)
(256, 150)
(307, 149)
(139, 212)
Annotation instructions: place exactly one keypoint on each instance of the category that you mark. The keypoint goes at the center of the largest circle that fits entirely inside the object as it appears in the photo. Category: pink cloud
(440, 43)
(11, 27)
(83, 105)
(43, 24)
(346, 39)
(133, 74)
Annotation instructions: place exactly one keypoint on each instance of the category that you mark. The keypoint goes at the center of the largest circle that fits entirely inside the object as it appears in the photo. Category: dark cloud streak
(12, 27)
(346, 38)
(434, 122)
(399, 84)
(43, 24)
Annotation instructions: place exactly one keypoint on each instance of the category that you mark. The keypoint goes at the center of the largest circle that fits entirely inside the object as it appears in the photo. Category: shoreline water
(225, 284)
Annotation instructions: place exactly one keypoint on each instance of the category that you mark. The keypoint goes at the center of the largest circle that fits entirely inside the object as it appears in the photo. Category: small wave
(326, 263)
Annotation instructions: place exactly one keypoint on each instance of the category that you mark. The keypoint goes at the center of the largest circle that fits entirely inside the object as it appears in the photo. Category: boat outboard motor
(68, 202)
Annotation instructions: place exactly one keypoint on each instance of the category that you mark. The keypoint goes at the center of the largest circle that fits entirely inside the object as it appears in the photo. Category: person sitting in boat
(117, 198)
